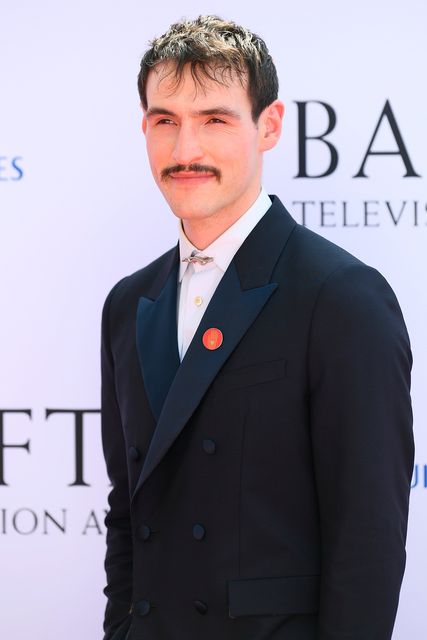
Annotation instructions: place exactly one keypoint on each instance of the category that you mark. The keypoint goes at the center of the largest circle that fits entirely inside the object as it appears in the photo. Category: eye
(216, 121)
(165, 121)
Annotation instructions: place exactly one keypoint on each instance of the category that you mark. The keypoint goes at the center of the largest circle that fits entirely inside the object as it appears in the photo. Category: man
(257, 424)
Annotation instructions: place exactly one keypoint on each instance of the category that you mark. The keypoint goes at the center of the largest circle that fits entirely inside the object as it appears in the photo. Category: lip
(191, 177)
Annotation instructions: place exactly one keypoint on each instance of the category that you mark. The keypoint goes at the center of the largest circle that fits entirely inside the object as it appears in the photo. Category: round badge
(212, 338)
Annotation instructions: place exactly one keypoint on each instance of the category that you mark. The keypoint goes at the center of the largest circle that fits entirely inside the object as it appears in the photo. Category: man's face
(204, 148)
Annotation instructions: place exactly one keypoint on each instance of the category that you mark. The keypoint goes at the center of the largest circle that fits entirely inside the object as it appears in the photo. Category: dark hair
(216, 50)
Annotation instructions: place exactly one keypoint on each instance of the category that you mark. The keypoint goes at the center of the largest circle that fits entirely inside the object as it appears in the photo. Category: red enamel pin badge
(212, 338)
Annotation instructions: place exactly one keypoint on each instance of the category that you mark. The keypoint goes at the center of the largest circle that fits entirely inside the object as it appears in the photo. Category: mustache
(198, 168)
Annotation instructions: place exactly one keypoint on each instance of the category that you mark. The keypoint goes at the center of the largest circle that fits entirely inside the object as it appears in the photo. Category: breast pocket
(253, 374)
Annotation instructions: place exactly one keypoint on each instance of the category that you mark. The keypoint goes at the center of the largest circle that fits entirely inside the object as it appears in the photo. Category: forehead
(165, 86)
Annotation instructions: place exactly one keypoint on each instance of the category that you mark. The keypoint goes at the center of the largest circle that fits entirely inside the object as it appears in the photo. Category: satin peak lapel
(156, 340)
(232, 311)
(239, 298)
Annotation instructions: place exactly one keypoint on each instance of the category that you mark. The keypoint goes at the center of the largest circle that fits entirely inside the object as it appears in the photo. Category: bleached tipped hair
(216, 50)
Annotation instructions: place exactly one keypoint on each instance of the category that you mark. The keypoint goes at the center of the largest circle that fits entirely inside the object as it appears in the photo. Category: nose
(187, 145)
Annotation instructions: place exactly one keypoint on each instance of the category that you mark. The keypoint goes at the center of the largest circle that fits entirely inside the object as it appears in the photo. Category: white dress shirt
(197, 283)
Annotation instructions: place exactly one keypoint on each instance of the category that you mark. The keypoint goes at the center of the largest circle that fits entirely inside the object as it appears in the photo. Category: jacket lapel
(175, 391)
(156, 336)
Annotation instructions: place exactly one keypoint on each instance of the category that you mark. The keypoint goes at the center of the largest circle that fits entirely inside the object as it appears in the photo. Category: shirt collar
(227, 244)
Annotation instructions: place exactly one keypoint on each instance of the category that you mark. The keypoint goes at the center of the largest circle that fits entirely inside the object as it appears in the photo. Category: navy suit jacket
(259, 490)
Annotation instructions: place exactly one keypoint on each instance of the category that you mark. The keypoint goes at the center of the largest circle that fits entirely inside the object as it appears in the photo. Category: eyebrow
(214, 111)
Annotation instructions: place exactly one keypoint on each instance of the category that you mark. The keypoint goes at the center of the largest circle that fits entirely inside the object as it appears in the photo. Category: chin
(189, 209)
(189, 213)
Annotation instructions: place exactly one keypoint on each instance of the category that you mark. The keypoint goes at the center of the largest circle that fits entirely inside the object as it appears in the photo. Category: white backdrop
(79, 209)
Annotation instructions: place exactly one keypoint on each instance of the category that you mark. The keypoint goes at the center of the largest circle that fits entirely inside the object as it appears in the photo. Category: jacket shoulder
(131, 287)
(336, 275)
(308, 255)
(317, 253)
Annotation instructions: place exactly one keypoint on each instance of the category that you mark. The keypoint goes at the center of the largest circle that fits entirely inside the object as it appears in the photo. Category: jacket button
(142, 608)
(144, 532)
(201, 607)
(198, 532)
(134, 453)
(209, 446)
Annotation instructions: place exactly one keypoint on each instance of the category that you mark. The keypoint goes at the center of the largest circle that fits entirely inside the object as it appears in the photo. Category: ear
(144, 124)
(270, 125)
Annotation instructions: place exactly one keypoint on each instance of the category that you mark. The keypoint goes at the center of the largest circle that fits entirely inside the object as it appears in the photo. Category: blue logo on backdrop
(419, 477)
(11, 169)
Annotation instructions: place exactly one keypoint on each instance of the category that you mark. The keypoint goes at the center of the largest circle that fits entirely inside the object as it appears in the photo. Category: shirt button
(198, 300)
(201, 607)
(198, 532)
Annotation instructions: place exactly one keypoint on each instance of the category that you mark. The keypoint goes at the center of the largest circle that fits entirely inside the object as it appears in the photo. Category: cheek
(156, 156)
(242, 161)
(238, 149)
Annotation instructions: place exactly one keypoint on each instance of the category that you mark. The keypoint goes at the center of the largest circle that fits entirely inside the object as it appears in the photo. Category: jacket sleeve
(361, 427)
(118, 559)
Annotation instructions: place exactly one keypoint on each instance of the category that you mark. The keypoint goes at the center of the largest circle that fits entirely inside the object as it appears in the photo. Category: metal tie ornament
(199, 259)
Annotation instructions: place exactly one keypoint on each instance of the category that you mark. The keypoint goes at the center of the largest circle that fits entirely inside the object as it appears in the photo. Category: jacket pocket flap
(273, 596)
(253, 374)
